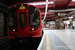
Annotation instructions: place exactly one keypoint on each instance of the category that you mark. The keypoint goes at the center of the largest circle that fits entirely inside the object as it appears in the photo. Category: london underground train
(24, 22)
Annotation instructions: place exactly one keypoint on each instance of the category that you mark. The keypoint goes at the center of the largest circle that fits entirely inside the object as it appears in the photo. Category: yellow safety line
(47, 37)
(48, 42)
(47, 47)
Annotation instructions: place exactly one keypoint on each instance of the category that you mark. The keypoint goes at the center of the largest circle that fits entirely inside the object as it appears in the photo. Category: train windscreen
(12, 17)
(34, 18)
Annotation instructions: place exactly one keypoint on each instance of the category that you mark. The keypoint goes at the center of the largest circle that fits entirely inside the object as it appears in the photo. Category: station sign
(68, 15)
(62, 14)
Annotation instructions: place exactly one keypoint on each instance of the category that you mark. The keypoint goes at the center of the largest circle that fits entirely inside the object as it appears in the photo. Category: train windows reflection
(34, 17)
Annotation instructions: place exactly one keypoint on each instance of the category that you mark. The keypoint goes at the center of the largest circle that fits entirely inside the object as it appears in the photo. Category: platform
(58, 40)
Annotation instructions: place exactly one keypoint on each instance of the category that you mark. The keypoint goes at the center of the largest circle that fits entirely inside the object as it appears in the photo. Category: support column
(58, 23)
(49, 24)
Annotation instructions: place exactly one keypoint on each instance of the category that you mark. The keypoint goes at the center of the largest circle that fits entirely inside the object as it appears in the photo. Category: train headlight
(13, 30)
(33, 29)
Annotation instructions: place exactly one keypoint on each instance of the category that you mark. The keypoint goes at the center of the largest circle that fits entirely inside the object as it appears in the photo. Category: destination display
(22, 6)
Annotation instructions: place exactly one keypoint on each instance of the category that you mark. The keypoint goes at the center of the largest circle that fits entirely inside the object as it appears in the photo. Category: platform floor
(58, 40)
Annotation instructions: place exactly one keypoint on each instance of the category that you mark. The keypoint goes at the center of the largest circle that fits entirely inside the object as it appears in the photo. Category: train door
(23, 22)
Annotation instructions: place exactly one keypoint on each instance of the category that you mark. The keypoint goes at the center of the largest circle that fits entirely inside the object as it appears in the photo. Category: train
(24, 23)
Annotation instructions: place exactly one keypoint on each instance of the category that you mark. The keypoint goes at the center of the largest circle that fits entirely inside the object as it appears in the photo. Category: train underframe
(33, 41)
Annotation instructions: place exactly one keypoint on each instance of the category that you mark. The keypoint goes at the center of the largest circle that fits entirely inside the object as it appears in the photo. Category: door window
(22, 20)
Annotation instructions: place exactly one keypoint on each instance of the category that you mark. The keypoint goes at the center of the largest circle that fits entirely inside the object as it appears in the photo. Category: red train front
(24, 21)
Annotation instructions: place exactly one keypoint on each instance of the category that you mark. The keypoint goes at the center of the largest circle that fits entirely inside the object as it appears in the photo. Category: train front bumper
(29, 40)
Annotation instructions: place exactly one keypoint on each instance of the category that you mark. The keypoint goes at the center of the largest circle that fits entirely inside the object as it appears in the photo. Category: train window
(34, 18)
(12, 17)
(22, 17)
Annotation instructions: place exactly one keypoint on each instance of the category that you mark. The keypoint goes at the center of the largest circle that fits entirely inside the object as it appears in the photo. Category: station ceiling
(52, 5)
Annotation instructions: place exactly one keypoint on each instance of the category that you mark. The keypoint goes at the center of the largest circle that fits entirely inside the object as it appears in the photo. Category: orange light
(32, 29)
(14, 30)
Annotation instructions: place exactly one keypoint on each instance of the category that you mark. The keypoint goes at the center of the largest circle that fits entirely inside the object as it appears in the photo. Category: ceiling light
(40, 3)
(51, 2)
(73, 0)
